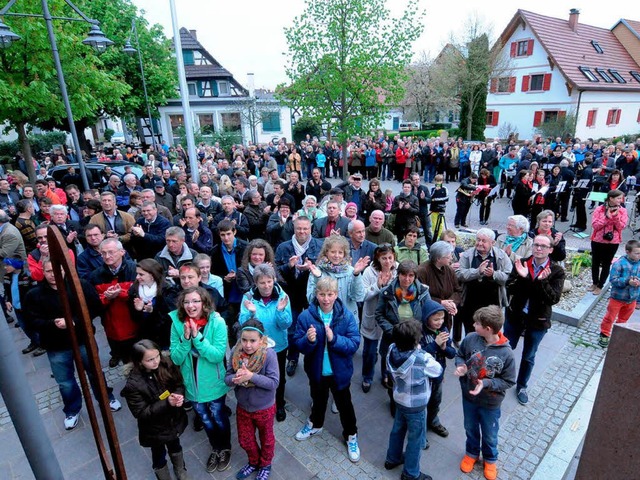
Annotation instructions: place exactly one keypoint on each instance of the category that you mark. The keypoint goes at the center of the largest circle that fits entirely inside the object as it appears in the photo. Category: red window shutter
(562, 114)
(537, 118)
(546, 83)
(514, 49)
(512, 84)
(525, 83)
(610, 115)
(530, 47)
(617, 119)
(638, 117)
(496, 115)
(590, 116)
(494, 85)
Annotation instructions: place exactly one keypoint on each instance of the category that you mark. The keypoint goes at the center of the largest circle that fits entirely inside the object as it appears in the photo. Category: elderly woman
(310, 208)
(440, 277)
(375, 277)
(401, 300)
(268, 302)
(258, 252)
(544, 226)
(516, 242)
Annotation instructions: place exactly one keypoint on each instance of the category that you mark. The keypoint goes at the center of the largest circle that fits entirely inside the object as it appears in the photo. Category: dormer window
(605, 76)
(617, 76)
(596, 46)
(635, 75)
(586, 71)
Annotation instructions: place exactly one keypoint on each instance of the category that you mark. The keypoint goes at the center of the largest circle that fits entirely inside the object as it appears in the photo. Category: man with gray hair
(483, 273)
(176, 253)
(124, 192)
(359, 245)
(68, 229)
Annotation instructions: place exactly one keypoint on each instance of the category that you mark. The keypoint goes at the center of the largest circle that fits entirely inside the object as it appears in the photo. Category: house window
(596, 46)
(522, 48)
(635, 75)
(550, 116)
(613, 116)
(223, 89)
(591, 118)
(206, 123)
(200, 59)
(492, 119)
(231, 121)
(586, 71)
(605, 76)
(207, 89)
(504, 85)
(536, 82)
(191, 86)
(177, 122)
(617, 76)
(271, 121)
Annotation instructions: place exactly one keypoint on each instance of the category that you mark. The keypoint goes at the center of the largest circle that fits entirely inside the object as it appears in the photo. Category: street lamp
(95, 39)
(129, 50)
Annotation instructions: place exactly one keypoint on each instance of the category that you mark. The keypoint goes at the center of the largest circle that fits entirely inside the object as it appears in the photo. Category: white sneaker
(71, 421)
(353, 449)
(334, 407)
(115, 405)
(307, 431)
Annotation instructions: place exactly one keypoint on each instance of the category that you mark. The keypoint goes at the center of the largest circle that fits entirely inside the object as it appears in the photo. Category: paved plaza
(565, 364)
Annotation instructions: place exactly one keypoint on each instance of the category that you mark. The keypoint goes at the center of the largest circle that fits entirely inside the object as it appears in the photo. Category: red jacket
(401, 156)
(117, 320)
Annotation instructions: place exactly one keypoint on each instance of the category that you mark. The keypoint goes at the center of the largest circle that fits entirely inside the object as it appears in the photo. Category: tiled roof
(569, 50)
(205, 71)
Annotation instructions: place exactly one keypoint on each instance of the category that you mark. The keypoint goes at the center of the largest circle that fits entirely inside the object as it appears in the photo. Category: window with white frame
(223, 88)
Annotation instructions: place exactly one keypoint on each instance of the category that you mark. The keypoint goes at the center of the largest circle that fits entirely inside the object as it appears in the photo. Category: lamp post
(130, 50)
(96, 39)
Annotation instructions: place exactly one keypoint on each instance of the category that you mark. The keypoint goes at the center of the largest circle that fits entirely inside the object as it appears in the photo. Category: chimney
(251, 84)
(574, 13)
(194, 34)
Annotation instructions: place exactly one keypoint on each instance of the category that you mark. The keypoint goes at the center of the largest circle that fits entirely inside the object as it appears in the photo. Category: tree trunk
(21, 127)
(469, 120)
(84, 146)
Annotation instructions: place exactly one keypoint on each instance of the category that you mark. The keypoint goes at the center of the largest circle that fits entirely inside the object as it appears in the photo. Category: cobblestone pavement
(567, 358)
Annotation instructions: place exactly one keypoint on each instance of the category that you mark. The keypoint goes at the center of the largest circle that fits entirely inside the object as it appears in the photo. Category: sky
(247, 36)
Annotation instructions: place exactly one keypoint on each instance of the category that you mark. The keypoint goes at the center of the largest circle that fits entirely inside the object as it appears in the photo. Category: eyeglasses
(540, 247)
(191, 302)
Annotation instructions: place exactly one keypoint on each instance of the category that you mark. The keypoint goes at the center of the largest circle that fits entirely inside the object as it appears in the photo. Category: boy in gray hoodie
(411, 368)
(487, 369)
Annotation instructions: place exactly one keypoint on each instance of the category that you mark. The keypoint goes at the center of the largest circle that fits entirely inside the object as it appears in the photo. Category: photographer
(608, 221)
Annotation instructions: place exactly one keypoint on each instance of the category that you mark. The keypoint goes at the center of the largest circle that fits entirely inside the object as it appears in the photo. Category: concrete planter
(581, 310)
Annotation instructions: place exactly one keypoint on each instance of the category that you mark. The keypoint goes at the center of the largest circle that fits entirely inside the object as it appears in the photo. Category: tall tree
(346, 62)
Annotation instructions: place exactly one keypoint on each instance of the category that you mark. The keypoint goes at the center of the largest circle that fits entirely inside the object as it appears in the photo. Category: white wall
(628, 102)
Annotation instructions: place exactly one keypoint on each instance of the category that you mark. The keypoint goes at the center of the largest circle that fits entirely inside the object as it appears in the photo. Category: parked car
(409, 126)
(118, 138)
(94, 170)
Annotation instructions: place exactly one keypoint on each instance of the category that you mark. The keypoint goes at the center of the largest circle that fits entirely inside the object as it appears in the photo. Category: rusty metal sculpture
(61, 263)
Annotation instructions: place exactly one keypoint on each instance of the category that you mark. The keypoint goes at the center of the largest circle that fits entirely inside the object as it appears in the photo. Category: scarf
(325, 265)
(409, 297)
(254, 362)
(200, 322)
(515, 242)
(148, 292)
(300, 249)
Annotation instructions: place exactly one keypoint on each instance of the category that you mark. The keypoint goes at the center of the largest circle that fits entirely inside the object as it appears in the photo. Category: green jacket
(209, 348)
(418, 253)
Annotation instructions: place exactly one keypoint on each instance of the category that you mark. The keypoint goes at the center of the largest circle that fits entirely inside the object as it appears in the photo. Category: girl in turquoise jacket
(198, 346)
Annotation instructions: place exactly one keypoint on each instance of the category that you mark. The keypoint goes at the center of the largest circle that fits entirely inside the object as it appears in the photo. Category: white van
(409, 126)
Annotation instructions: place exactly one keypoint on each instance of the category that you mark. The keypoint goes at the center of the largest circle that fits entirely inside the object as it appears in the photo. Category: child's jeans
(411, 425)
(262, 422)
(617, 312)
(369, 359)
(433, 407)
(216, 422)
(320, 397)
(477, 420)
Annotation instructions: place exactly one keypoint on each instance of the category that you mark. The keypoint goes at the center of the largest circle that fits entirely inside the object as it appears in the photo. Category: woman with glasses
(198, 346)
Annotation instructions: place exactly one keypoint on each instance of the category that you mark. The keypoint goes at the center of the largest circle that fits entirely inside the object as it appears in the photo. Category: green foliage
(564, 127)
(580, 261)
(304, 126)
(226, 139)
(426, 134)
(41, 142)
(473, 97)
(346, 62)
(108, 133)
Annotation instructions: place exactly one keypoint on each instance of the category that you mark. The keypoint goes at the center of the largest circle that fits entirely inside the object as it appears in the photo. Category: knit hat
(351, 204)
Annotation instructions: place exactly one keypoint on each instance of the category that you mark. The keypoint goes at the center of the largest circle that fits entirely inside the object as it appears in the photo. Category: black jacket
(158, 422)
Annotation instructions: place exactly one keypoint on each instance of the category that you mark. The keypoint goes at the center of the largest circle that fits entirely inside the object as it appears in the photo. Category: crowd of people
(220, 279)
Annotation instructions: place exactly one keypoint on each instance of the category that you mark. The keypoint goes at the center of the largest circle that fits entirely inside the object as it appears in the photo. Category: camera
(608, 236)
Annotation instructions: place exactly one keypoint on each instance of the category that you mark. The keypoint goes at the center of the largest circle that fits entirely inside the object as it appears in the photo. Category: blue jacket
(621, 272)
(428, 340)
(411, 371)
(370, 159)
(346, 340)
(275, 322)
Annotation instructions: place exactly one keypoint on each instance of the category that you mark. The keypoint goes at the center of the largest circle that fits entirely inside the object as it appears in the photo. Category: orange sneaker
(467, 463)
(490, 471)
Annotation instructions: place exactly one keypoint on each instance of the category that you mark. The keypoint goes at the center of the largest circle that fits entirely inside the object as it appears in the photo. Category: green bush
(40, 142)
(108, 133)
(304, 126)
(426, 134)
(9, 149)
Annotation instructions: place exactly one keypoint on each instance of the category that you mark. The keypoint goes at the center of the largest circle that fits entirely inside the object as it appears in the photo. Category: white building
(560, 66)
(220, 103)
